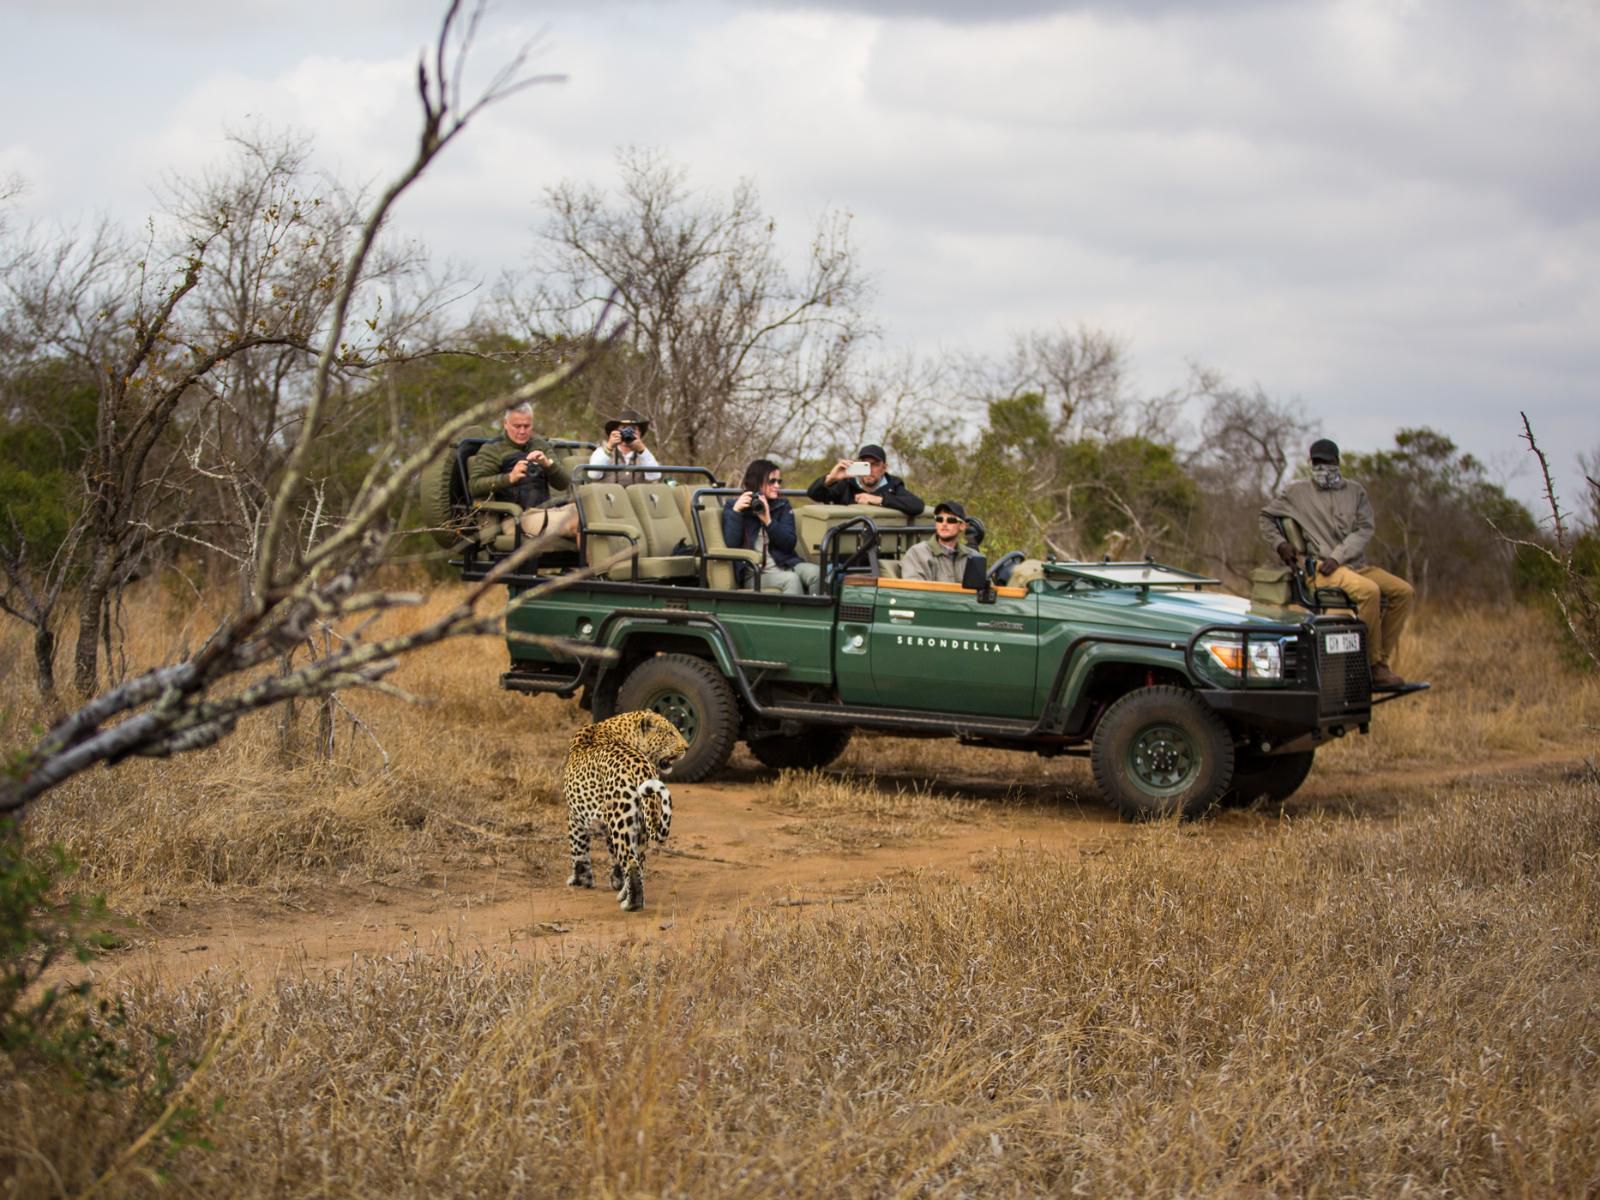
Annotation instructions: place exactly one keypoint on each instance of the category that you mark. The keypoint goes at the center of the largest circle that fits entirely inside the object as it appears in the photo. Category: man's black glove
(1327, 566)
(1286, 553)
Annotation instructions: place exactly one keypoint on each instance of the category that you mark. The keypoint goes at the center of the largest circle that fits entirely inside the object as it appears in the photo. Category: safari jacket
(489, 473)
(1337, 522)
(931, 561)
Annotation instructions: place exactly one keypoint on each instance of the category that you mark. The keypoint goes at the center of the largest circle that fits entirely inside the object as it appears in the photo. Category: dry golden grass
(843, 811)
(1369, 1010)
(1327, 1007)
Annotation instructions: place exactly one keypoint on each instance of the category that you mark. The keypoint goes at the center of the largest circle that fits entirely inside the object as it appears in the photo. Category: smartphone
(858, 469)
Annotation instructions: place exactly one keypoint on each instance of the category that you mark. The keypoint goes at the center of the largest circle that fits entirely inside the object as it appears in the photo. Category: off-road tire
(814, 746)
(437, 484)
(1161, 752)
(1274, 778)
(693, 695)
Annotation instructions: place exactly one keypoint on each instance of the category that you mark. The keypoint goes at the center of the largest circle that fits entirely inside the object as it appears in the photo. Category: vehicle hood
(1160, 611)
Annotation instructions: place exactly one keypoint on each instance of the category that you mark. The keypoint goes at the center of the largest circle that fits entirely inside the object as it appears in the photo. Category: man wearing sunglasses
(944, 558)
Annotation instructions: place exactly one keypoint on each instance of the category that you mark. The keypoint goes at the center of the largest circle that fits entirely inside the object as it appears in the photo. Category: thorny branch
(194, 703)
(1575, 594)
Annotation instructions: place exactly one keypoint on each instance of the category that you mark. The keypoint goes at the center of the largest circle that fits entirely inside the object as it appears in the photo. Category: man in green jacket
(521, 468)
(1335, 516)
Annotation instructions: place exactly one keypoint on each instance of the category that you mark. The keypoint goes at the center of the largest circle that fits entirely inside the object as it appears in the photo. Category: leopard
(612, 781)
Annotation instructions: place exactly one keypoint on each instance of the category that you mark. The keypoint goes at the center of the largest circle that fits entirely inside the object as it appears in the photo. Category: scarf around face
(1326, 476)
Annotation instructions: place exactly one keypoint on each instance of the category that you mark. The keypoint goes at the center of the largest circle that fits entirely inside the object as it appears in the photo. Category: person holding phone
(523, 469)
(624, 447)
(864, 479)
(762, 520)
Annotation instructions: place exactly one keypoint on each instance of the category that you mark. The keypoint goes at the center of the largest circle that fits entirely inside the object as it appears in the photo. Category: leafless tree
(1576, 594)
(1250, 445)
(728, 352)
(297, 587)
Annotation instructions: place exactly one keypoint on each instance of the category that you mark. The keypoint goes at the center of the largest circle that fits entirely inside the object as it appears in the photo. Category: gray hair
(525, 407)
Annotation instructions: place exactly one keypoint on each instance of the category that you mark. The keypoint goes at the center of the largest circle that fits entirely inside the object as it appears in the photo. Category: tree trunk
(44, 661)
(91, 607)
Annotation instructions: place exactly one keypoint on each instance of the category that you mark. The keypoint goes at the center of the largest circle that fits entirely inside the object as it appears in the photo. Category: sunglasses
(948, 521)
(776, 481)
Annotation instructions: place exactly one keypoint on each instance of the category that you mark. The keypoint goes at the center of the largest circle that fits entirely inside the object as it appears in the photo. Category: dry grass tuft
(1320, 1005)
(845, 812)
(1358, 1009)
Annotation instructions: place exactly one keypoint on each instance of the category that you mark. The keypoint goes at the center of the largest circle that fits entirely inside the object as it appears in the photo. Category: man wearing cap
(1336, 517)
(944, 559)
(875, 486)
(624, 447)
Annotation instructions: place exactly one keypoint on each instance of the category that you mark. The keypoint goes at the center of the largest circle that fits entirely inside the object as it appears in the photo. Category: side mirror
(975, 578)
(975, 575)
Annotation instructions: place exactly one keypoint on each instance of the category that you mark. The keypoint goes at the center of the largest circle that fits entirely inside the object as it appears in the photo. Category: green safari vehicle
(1182, 696)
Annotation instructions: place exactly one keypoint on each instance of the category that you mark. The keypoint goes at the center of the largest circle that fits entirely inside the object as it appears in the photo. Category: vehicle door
(935, 646)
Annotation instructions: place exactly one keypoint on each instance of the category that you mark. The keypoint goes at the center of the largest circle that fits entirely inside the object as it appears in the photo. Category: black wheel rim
(1162, 760)
(679, 709)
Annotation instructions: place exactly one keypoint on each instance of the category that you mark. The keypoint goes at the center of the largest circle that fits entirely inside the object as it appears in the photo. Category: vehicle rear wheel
(814, 746)
(693, 695)
(1275, 778)
(1160, 752)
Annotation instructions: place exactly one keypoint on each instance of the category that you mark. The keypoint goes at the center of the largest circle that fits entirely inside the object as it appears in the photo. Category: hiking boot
(1385, 680)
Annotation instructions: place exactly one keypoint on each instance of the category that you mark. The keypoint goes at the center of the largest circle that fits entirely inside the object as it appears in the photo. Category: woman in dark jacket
(762, 520)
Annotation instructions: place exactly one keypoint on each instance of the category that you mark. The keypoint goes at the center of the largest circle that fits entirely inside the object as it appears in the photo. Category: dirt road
(731, 848)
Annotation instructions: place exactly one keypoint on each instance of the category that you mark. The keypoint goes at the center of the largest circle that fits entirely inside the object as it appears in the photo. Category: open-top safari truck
(1181, 695)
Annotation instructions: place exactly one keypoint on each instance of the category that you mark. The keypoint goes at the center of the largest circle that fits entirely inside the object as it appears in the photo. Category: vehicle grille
(1344, 682)
(855, 612)
(1293, 660)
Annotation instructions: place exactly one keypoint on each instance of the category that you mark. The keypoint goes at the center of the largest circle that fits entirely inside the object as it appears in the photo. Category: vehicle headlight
(1263, 658)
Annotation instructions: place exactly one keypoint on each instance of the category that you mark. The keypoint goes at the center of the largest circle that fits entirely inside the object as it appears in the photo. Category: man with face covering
(1336, 517)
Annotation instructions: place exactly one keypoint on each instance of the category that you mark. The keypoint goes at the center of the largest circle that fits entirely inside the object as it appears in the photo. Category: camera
(859, 469)
(629, 435)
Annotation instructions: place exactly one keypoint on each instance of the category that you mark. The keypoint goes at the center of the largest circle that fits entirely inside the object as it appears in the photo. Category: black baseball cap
(872, 450)
(1324, 450)
(953, 507)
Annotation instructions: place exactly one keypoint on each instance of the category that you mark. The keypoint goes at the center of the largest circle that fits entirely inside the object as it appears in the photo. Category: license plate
(1342, 643)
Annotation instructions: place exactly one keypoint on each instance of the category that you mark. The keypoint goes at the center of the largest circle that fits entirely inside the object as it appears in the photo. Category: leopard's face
(659, 740)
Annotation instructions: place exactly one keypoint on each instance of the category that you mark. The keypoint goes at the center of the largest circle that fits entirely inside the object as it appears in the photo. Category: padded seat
(718, 556)
(610, 527)
(813, 521)
(669, 553)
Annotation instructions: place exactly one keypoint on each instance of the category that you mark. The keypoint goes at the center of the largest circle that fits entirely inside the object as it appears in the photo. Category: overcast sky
(1387, 210)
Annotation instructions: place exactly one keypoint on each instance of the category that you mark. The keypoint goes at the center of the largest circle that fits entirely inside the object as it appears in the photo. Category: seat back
(607, 518)
(656, 505)
(572, 460)
(669, 550)
(813, 521)
(719, 573)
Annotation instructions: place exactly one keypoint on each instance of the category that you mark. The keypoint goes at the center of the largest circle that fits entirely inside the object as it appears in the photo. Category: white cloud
(1387, 209)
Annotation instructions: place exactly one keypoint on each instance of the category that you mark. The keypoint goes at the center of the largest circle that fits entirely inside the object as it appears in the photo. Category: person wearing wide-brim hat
(624, 447)
(1335, 517)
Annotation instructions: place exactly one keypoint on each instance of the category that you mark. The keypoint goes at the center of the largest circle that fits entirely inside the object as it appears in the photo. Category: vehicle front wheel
(1159, 752)
(693, 695)
(1274, 778)
(814, 746)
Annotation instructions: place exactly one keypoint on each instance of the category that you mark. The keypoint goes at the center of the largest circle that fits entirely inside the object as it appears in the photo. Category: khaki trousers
(555, 519)
(1369, 588)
